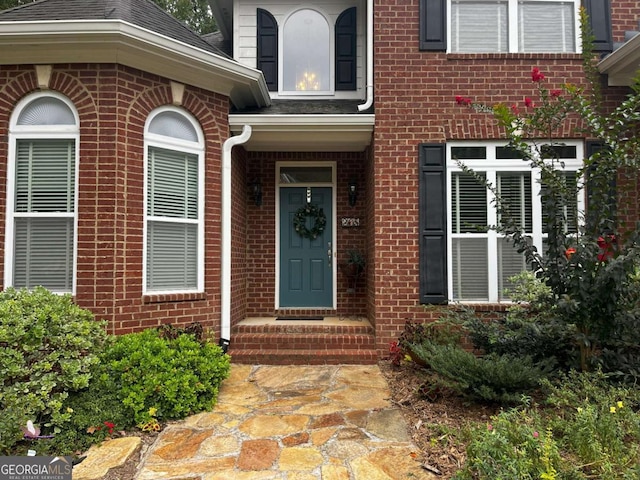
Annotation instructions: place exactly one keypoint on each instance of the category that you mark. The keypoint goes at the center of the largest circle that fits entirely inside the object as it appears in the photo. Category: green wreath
(300, 221)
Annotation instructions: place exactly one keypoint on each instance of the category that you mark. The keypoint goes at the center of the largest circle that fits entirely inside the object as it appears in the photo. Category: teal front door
(306, 270)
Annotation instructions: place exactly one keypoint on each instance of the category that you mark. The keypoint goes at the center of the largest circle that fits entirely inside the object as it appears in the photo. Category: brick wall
(414, 100)
(113, 103)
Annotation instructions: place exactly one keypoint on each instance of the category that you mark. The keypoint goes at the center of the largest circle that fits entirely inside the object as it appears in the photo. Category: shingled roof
(142, 13)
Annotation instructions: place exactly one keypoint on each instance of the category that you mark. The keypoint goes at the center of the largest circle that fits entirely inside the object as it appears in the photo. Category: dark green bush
(47, 348)
(492, 378)
(173, 377)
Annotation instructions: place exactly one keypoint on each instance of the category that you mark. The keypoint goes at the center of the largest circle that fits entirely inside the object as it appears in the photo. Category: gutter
(225, 287)
(369, 98)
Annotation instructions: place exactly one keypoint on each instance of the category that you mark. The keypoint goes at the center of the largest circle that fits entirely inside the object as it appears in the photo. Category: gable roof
(143, 13)
(135, 33)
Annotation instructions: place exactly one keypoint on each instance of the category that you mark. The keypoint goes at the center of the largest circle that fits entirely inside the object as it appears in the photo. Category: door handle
(329, 253)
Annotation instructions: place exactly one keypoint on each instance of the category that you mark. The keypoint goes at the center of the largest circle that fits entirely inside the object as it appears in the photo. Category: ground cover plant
(65, 384)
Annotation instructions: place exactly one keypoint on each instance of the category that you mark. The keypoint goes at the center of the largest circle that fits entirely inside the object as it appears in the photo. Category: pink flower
(537, 75)
(536, 434)
(528, 102)
(556, 93)
(489, 427)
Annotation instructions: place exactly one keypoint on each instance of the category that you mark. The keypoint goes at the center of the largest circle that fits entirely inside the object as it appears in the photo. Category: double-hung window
(174, 185)
(42, 194)
(481, 261)
(503, 26)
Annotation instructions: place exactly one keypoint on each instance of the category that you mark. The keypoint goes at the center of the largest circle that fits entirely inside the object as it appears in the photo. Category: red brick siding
(113, 103)
(414, 101)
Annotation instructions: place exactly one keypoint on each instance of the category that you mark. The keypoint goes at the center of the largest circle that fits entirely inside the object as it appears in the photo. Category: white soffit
(623, 64)
(115, 41)
(306, 133)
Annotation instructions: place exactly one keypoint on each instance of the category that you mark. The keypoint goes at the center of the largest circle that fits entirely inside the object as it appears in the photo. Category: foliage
(170, 377)
(590, 259)
(493, 378)
(514, 444)
(529, 328)
(587, 429)
(195, 13)
(48, 346)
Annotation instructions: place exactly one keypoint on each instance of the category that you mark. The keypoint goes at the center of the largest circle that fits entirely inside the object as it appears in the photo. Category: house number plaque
(350, 222)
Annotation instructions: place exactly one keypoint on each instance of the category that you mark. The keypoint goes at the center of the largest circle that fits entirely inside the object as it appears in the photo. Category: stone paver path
(290, 423)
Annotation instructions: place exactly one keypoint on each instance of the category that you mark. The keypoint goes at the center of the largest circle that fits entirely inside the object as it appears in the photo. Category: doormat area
(301, 319)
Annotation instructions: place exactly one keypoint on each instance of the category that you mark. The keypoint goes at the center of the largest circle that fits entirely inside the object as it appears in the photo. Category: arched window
(42, 194)
(306, 53)
(174, 187)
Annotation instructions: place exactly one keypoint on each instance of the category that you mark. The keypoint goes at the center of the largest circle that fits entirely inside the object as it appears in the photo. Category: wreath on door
(300, 221)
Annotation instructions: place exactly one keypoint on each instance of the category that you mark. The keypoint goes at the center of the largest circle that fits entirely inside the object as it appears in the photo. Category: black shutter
(433, 25)
(267, 35)
(346, 31)
(433, 224)
(599, 12)
(594, 225)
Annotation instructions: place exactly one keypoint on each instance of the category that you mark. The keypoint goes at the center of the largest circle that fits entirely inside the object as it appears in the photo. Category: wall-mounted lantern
(353, 192)
(256, 191)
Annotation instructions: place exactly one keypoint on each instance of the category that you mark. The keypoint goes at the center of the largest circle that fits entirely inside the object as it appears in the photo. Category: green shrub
(514, 445)
(599, 423)
(47, 348)
(492, 378)
(172, 377)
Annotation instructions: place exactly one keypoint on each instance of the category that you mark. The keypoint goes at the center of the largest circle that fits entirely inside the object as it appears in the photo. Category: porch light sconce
(353, 192)
(256, 192)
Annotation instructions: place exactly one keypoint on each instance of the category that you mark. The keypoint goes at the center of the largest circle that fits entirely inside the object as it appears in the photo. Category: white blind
(510, 263)
(478, 26)
(45, 176)
(468, 204)
(515, 190)
(470, 269)
(546, 27)
(172, 256)
(44, 214)
(173, 184)
(172, 227)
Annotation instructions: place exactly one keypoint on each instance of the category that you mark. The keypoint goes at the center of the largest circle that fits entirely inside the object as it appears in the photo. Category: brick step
(298, 341)
(305, 328)
(303, 357)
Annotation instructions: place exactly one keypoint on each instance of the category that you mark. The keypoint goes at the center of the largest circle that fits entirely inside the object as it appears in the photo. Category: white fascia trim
(91, 32)
(623, 62)
(304, 122)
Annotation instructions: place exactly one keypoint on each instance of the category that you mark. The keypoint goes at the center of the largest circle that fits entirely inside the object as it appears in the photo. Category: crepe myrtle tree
(591, 258)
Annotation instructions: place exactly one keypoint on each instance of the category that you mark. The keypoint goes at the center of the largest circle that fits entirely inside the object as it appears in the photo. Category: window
(174, 246)
(311, 56)
(42, 194)
(542, 26)
(481, 261)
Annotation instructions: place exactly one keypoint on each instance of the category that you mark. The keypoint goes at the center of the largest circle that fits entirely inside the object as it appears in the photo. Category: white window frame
(513, 31)
(491, 166)
(183, 146)
(35, 132)
(332, 57)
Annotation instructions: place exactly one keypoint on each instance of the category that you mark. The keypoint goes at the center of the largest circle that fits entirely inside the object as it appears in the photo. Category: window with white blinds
(482, 262)
(540, 26)
(41, 221)
(174, 226)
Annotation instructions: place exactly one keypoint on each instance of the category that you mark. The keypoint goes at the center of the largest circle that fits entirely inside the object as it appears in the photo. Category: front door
(306, 270)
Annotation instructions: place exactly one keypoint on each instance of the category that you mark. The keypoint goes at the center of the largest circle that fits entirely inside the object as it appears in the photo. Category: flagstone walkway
(290, 423)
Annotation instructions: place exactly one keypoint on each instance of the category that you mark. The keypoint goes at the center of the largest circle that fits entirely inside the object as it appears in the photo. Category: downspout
(225, 294)
(369, 79)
